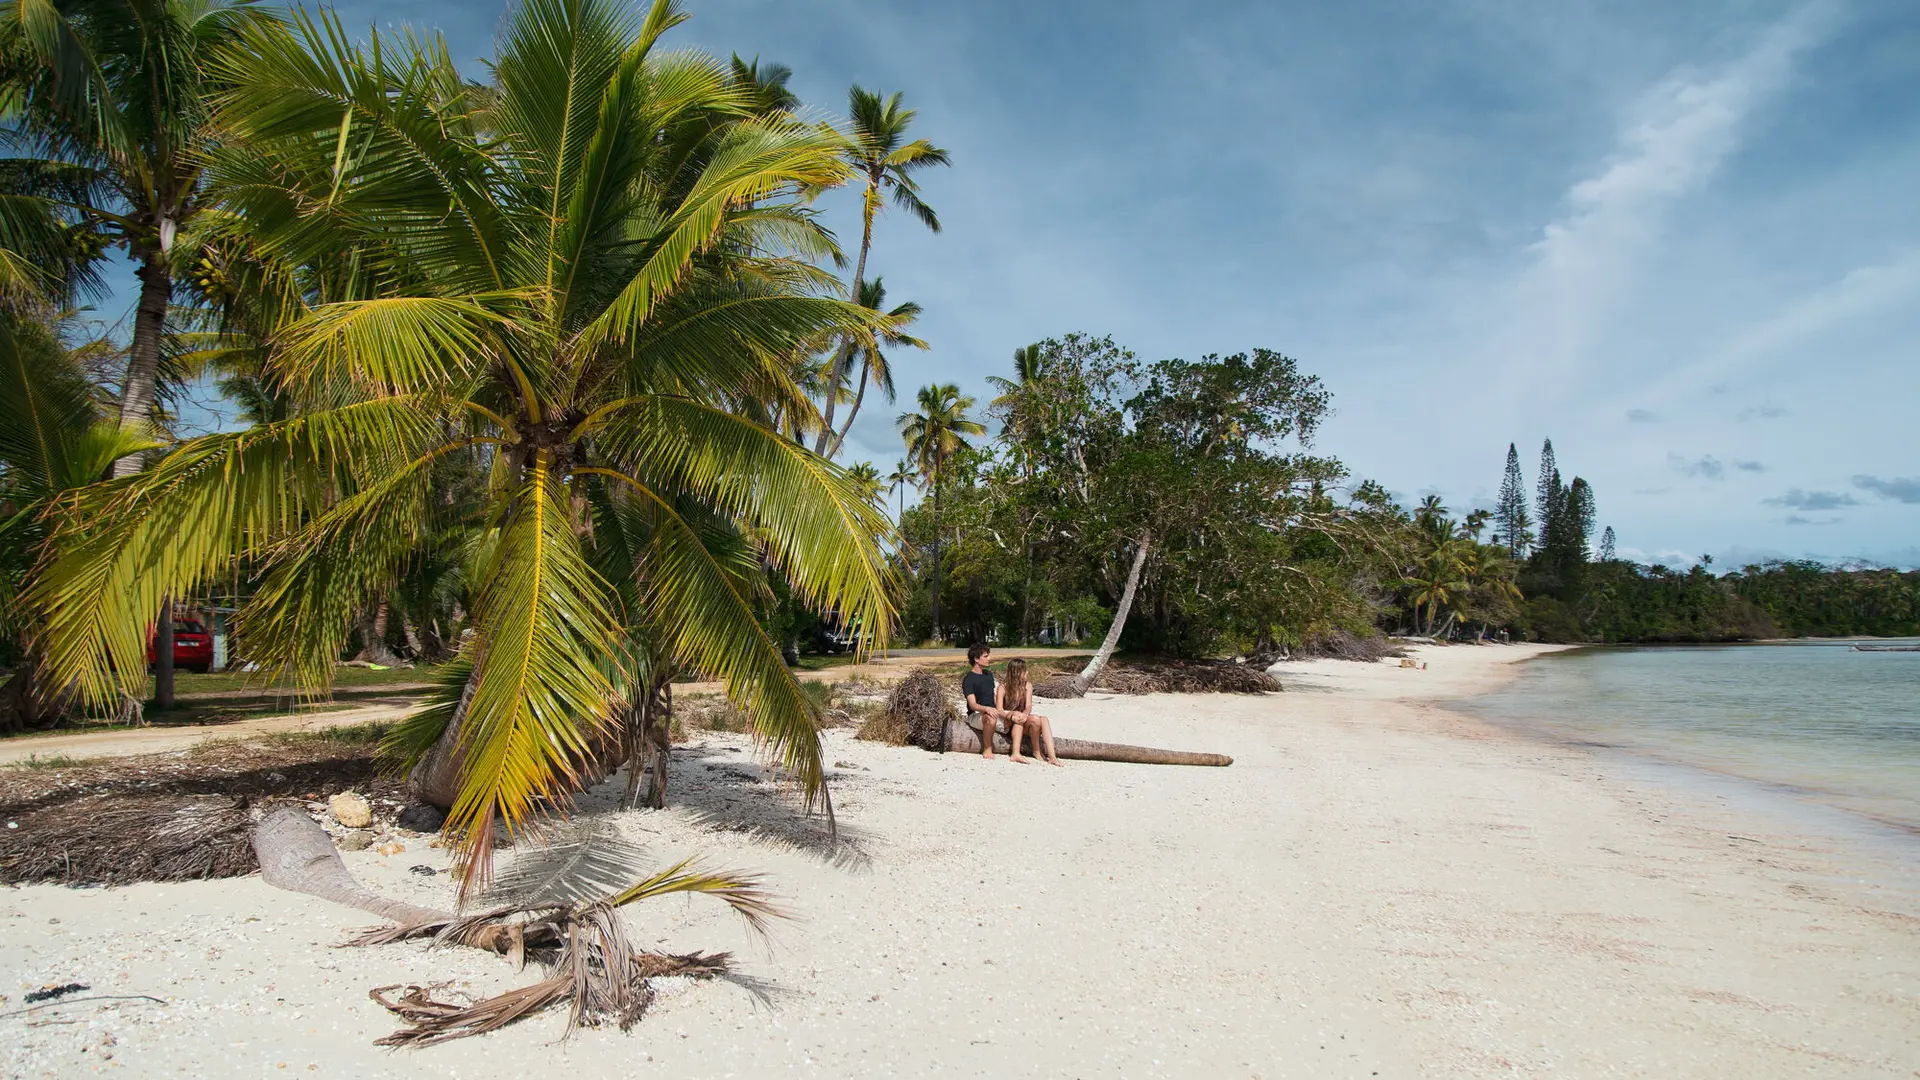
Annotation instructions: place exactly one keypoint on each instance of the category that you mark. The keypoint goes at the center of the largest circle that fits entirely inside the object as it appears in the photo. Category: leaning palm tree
(933, 435)
(885, 159)
(575, 273)
(109, 99)
(875, 370)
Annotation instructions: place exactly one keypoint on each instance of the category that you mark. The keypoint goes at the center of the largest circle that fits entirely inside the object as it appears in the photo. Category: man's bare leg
(988, 728)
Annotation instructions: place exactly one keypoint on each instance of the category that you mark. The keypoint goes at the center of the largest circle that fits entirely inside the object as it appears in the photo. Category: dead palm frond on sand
(555, 908)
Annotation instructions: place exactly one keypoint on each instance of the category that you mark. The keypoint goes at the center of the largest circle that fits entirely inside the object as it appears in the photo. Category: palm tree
(768, 84)
(567, 273)
(867, 475)
(933, 435)
(1019, 402)
(1436, 580)
(874, 368)
(56, 435)
(111, 102)
(881, 154)
(899, 480)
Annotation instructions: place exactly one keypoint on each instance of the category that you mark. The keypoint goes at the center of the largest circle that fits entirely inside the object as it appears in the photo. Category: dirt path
(122, 742)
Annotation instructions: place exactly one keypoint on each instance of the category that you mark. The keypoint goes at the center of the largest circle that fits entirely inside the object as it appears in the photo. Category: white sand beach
(1377, 887)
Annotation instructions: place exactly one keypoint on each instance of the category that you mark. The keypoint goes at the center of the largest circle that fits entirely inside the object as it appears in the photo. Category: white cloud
(1676, 139)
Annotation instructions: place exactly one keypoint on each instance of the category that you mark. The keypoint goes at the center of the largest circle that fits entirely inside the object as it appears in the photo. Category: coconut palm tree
(768, 84)
(899, 480)
(110, 101)
(568, 273)
(57, 434)
(867, 475)
(874, 368)
(885, 159)
(933, 435)
(1436, 581)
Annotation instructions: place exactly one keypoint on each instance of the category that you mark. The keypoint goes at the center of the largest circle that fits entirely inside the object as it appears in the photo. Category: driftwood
(963, 738)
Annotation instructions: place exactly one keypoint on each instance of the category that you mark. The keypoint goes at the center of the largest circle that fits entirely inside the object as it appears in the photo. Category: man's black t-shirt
(980, 686)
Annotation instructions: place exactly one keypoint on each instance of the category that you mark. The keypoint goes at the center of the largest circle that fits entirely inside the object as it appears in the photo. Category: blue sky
(1680, 239)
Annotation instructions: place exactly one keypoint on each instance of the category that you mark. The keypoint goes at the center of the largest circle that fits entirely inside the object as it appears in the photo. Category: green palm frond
(816, 521)
(711, 624)
(543, 621)
(122, 547)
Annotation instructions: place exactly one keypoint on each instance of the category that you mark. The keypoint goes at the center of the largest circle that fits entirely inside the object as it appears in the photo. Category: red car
(192, 646)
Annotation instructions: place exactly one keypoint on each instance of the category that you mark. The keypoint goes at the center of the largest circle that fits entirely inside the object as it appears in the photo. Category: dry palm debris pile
(177, 816)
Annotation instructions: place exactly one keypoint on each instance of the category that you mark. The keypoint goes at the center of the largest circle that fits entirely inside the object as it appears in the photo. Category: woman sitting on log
(1016, 700)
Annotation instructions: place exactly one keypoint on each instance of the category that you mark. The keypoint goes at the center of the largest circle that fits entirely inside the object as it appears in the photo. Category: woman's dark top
(980, 686)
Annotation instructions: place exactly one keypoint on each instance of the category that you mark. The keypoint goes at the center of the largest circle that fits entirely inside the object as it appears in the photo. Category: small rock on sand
(357, 840)
(351, 810)
(421, 818)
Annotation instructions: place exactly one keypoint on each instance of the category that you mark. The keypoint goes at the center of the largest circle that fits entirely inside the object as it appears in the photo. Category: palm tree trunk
(1094, 666)
(373, 635)
(435, 779)
(852, 411)
(659, 739)
(296, 854)
(936, 554)
(963, 738)
(163, 657)
(143, 354)
(840, 358)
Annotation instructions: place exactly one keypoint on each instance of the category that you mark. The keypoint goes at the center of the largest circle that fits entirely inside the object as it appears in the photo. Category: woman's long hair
(1016, 684)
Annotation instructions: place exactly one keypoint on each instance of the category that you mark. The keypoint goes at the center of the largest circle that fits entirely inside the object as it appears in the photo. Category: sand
(1376, 887)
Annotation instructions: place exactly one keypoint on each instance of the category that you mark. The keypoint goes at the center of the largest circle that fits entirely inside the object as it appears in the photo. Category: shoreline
(1379, 885)
(1824, 814)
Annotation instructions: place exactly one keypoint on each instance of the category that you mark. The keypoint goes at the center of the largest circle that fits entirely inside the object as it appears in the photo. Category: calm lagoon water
(1818, 720)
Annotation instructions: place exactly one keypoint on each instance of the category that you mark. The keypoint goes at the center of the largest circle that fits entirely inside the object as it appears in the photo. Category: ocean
(1818, 722)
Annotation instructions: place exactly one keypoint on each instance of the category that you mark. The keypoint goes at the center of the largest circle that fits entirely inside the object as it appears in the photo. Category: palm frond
(123, 546)
(542, 621)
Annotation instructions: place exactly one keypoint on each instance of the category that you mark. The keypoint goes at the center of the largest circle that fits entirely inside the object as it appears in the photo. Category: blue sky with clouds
(1681, 239)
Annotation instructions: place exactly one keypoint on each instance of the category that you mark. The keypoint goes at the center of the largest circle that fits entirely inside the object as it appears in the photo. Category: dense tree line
(1576, 589)
(1197, 482)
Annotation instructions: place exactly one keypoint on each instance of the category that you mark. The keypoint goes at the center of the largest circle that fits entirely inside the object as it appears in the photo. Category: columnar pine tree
(1578, 524)
(1606, 545)
(1545, 490)
(1516, 528)
(1580, 517)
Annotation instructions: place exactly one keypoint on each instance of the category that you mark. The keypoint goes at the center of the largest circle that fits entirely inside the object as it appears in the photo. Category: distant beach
(1380, 885)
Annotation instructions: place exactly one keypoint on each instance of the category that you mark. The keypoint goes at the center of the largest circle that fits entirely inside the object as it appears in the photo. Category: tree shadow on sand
(719, 788)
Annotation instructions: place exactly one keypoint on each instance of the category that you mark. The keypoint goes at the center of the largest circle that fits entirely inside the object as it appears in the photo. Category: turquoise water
(1817, 720)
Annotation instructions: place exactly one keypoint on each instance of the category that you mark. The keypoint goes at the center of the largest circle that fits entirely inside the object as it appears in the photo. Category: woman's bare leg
(1043, 738)
(1019, 729)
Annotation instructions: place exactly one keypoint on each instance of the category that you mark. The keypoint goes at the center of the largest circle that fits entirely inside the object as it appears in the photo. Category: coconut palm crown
(107, 102)
(587, 271)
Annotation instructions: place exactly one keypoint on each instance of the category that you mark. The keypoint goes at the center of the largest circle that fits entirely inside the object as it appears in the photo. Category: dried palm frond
(582, 861)
(591, 963)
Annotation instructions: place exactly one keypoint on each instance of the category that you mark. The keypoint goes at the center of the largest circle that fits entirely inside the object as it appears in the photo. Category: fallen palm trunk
(296, 854)
(962, 738)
